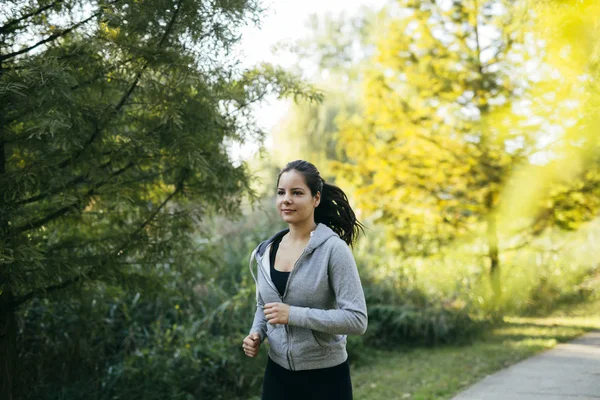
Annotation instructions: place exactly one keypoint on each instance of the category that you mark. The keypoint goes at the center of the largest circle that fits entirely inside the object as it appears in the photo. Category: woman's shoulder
(337, 244)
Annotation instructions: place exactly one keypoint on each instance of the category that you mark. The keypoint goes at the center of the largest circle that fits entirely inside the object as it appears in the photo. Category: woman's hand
(251, 344)
(277, 313)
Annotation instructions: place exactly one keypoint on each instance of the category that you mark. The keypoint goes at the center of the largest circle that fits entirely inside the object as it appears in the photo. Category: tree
(451, 115)
(114, 119)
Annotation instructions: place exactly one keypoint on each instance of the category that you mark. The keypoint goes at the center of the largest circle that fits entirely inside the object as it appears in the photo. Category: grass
(441, 372)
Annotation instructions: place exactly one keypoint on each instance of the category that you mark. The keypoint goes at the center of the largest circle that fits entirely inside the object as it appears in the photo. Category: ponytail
(334, 209)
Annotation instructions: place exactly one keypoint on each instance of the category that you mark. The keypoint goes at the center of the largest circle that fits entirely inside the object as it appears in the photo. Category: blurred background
(140, 145)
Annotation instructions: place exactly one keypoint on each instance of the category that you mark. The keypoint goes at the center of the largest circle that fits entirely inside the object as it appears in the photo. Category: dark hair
(334, 209)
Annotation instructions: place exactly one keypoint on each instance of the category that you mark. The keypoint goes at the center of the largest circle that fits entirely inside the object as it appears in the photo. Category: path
(568, 371)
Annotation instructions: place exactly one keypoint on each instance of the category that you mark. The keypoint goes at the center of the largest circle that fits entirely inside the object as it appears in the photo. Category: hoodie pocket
(277, 338)
(305, 345)
(329, 341)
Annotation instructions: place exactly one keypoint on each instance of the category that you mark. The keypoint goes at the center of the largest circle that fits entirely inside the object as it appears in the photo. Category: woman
(308, 291)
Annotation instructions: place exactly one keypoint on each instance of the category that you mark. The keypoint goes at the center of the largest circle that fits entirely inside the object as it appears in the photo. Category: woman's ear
(317, 199)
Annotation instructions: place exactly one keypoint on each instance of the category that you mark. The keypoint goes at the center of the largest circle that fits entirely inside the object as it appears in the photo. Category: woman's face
(294, 202)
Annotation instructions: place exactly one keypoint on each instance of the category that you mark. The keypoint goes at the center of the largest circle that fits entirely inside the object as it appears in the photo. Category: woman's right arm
(252, 342)
(259, 325)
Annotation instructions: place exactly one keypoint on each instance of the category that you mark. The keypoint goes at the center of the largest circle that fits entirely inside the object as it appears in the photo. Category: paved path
(568, 371)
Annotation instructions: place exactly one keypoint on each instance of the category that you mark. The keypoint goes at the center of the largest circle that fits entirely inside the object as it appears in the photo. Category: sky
(284, 21)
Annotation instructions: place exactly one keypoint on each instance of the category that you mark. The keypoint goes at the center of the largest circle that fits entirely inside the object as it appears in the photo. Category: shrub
(394, 326)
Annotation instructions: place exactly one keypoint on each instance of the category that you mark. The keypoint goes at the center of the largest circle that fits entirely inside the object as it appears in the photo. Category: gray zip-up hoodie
(326, 301)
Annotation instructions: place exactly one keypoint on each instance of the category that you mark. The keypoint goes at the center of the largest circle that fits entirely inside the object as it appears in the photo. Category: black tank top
(279, 278)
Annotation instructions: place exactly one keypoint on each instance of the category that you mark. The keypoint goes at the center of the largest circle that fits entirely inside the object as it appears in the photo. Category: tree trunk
(8, 346)
(492, 239)
(8, 320)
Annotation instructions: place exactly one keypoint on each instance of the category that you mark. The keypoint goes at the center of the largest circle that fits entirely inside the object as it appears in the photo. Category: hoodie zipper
(270, 282)
(287, 329)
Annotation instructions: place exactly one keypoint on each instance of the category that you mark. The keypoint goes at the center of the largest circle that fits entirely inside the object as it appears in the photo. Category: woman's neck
(301, 233)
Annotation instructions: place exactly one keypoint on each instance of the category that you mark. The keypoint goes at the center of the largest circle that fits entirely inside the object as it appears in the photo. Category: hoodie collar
(317, 237)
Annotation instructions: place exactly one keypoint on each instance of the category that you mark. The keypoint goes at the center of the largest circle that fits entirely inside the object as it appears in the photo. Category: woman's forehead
(292, 179)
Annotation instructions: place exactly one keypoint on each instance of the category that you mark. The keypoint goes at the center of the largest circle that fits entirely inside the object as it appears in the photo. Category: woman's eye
(280, 193)
(298, 193)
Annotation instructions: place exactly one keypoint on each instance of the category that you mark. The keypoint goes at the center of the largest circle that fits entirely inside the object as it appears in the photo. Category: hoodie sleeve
(350, 318)
(259, 324)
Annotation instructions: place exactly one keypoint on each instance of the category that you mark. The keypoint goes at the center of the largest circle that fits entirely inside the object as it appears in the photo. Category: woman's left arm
(351, 316)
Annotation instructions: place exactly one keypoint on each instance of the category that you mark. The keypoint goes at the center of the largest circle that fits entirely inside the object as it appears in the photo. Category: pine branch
(178, 189)
(78, 154)
(75, 181)
(143, 178)
(135, 82)
(126, 95)
(6, 27)
(56, 214)
(62, 211)
(130, 240)
(101, 75)
(49, 38)
(47, 290)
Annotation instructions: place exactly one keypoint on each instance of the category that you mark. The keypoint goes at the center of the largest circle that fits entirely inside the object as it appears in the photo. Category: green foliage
(549, 294)
(398, 326)
(181, 342)
(391, 291)
(108, 127)
(209, 367)
(402, 313)
(115, 118)
(119, 350)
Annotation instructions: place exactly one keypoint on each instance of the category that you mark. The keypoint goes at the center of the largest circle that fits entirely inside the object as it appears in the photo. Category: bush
(108, 346)
(395, 326)
(548, 294)
(390, 293)
(207, 368)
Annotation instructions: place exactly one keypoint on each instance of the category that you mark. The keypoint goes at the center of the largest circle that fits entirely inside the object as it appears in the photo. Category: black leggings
(315, 384)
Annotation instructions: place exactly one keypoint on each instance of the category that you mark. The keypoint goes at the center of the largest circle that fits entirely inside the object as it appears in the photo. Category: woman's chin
(288, 218)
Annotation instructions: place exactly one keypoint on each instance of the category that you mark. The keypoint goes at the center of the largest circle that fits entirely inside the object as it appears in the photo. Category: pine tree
(114, 120)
